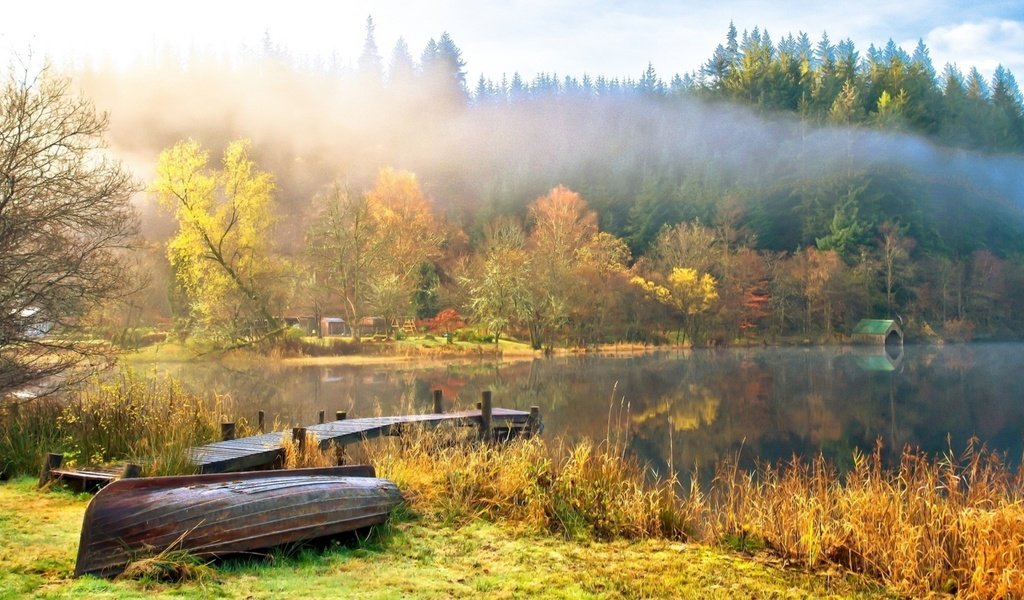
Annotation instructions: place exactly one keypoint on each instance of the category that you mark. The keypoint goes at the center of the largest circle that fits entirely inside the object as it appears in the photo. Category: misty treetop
(805, 183)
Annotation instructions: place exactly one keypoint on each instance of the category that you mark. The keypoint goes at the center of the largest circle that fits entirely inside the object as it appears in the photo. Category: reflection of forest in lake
(704, 404)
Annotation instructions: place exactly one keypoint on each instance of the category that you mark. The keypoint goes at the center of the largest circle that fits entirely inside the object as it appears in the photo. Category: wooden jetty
(85, 479)
(265, 450)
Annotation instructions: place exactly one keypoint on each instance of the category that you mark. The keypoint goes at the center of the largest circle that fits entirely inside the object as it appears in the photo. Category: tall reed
(927, 525)
(151, 422)
(26, 432)
(578, 490)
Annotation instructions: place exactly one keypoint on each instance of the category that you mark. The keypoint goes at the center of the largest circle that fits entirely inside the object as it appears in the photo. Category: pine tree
(371, 66)
(451, 57)
(402, 70)
(1007, 114)
(954, 128)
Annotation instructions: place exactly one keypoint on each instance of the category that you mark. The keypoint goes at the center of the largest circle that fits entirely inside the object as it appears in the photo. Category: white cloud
(982, 44)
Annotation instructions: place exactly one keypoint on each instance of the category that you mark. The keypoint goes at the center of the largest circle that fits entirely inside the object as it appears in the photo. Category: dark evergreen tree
(402, 70)
(450, 56)
(371, 66)
(1007, 113)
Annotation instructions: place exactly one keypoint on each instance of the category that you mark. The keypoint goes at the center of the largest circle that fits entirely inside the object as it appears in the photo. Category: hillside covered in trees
(788, 188)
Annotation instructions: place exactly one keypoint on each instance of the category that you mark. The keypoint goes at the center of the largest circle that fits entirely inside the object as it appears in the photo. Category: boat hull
(213, 515)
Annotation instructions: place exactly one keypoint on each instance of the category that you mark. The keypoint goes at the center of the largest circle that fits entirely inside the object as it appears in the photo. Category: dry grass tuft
(307, 454)
(174, 566)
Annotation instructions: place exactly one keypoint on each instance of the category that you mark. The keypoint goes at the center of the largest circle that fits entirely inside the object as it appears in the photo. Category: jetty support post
(53, 461)
(533, 423)
(227, 431)
(261, 421)
(486, 412)
(438, 402)
(299, 438)
(132, 470)
(340, 456)
(320, 417)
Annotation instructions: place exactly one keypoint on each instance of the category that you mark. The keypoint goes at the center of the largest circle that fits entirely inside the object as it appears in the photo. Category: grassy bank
(418, 557)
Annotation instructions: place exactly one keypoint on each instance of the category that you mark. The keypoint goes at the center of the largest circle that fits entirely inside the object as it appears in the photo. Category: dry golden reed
(576, 491)
(149, 421)
(305, 455)
(951, 524)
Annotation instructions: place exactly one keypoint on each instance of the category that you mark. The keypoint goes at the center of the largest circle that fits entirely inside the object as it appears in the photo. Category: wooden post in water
(321, 417)
(438, 400)
(299, 437)
(53, 461)
(485, 415)
(132, 470)
(260, 421)
(227, 431)
(340, 415)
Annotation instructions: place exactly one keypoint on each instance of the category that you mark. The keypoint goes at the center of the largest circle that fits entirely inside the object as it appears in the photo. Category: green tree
(846, 233)
(499, 292)
(402, 70)
(371, 65)
(1007, 112)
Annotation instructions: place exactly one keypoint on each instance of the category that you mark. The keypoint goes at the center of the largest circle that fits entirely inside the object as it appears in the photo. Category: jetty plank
(265, 449)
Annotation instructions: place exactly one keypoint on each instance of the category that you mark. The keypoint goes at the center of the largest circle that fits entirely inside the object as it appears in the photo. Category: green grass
(417, 558)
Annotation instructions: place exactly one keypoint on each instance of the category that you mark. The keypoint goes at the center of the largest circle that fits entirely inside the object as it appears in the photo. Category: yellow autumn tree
(687, 292)
(221, 255)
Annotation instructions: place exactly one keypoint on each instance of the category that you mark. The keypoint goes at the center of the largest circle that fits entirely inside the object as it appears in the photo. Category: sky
(568, 37)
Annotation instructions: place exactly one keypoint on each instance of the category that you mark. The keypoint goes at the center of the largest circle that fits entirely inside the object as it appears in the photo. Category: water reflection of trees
(706, 405)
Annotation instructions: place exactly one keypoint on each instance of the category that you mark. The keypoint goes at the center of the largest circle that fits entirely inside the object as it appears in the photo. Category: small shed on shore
(334, 326)
(883, 332)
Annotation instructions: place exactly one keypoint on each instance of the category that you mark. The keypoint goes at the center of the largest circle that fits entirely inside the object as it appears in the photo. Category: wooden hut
(883, 332)
(334, 326)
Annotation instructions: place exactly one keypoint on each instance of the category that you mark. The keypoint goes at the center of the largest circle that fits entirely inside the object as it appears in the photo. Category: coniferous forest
(785, 190)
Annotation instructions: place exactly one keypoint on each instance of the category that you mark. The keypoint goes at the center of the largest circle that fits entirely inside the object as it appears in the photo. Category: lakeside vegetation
(931, 524)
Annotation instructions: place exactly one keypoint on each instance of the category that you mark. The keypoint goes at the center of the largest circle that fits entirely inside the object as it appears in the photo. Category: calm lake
(694, 406)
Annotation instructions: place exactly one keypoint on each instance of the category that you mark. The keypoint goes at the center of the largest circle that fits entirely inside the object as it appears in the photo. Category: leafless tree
(65, 223)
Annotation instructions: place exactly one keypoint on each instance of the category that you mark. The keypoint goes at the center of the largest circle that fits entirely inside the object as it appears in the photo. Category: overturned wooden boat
(216, 515)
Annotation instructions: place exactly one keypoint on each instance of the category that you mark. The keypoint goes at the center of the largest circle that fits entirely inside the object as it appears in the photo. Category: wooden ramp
(264, 450)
